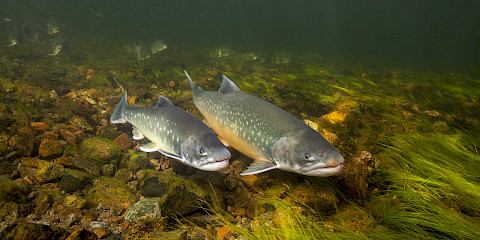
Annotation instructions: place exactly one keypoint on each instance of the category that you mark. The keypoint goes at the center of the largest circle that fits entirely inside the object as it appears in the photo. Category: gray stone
(48, 171)
(143, 209)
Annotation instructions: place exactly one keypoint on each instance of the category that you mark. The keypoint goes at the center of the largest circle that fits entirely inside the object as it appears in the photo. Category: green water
(437, 34)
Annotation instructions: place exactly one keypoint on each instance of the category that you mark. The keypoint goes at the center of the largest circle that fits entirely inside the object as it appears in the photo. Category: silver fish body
(272, 137)
(175, 133)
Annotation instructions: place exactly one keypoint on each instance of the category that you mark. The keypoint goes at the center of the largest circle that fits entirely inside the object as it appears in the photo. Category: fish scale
(269, 135)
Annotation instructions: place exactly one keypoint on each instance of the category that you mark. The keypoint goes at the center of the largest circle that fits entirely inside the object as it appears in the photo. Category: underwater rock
(355, 173)
(81, 164)
(330, 137)
(181, 196)
(23, 142)
(74, 180)
(336, 117)
(29, 162)
(109, 170)
(143, 209)
(72, 134)
(123, 175)
(33, 231)
(75, 201)
(134, 161)
(82, 106)
(320, 196)
(10, 212)
(10, 191)
(49, 147)
(171, 84)
(39, 126)
(100, 149)
(224, 233)
(123, 141)
(111, 192)
(345, 104)
(48, 171)
(153, 188)
(42, 204)
(80, 123)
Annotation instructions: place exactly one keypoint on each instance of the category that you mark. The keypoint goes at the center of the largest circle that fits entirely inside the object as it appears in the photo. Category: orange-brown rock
(71, 94)
(240, 212)
(49, 147)
(39, 126)
(171, 84)
(72, 134)
(29, 162)
(224, 233)
(123, 141)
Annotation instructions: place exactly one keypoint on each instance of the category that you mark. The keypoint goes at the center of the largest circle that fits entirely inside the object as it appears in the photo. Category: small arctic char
(272, 137)
(175, 133)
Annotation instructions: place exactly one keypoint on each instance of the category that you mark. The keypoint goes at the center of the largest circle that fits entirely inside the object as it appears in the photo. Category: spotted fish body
(175, 133)
(272, 137)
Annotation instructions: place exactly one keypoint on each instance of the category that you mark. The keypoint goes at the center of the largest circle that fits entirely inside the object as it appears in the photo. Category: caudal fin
(117, 115)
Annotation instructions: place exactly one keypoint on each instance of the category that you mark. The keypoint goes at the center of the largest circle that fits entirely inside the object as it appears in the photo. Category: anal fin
(259, 167)
(149, 147)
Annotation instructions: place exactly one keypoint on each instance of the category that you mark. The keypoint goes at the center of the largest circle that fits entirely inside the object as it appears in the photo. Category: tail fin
(195, 89)
(117, 116)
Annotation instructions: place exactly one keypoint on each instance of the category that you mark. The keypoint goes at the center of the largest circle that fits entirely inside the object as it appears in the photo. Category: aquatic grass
(289, 220)
(435, 184)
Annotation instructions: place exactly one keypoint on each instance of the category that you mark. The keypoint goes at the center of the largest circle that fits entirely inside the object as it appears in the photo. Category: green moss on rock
(101, 150)
(111, 192)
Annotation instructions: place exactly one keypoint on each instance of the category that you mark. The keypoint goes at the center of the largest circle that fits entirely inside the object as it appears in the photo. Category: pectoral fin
(137, 135)
(172, 156)
(259, 167)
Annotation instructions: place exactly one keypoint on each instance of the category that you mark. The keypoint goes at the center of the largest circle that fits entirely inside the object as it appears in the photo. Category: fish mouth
(215, 164)
(323, 170)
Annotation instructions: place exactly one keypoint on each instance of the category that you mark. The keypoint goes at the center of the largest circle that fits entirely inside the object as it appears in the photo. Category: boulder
(101, 150)
(111, 192)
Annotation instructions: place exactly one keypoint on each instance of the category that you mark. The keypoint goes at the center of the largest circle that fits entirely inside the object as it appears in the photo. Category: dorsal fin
(163, 102)
(227, 86)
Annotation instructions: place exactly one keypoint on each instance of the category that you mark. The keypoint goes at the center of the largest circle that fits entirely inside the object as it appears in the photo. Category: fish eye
(202, 152)
(307, 156)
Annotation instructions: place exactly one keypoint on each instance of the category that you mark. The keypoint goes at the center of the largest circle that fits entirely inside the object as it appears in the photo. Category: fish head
(308, 153)
(206, 152)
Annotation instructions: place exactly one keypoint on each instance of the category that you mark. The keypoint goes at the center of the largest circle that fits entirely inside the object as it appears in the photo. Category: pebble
(171, 84)
(49, 147)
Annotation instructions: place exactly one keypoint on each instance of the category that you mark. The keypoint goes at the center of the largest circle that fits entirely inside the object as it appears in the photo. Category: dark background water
(442, 33)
